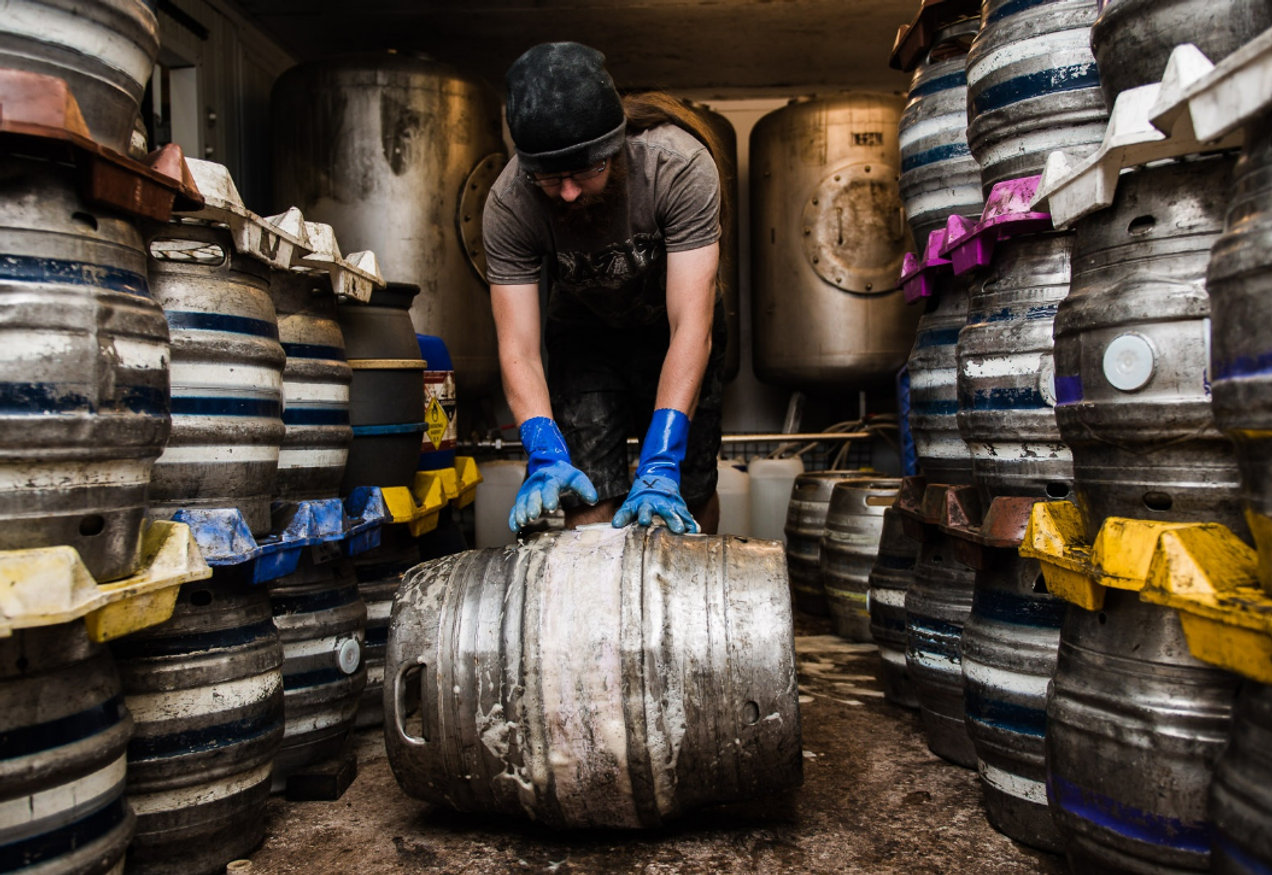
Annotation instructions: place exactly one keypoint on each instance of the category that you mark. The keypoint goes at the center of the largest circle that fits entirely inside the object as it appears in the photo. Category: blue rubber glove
(549, 473)
(656, 490)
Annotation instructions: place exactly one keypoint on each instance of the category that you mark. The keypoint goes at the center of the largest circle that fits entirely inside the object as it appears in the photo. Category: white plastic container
(495, 496)
(734, 489)
(771, 482)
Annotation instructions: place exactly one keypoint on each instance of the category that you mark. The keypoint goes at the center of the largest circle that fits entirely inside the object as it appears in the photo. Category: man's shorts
(603, 384)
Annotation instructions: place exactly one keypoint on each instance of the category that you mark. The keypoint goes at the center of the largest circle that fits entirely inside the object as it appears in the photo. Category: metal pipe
(759, 438)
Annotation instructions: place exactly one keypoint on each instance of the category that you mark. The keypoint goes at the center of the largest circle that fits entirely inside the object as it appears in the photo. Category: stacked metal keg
(1238, 279)
(207, 688)
(939, 179)
(1135, 721)
(982, 628)
(85, 414)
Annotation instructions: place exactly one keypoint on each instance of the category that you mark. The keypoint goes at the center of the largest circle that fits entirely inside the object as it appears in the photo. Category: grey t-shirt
(613, 268)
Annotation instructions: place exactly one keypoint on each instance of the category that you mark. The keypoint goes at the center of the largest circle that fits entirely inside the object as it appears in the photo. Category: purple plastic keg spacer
(918, 276)
(970, 245)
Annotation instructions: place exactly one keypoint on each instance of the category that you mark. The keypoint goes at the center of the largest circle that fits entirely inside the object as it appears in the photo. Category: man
(619, 208)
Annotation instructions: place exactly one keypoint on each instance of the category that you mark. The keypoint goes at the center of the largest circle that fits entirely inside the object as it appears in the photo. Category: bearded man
(616, 205)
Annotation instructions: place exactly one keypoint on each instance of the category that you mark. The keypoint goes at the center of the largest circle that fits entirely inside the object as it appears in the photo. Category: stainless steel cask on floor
(939, 176)
(322, 622)
(1032, 86)
(1009, 655)
(944, 457)
(206, 693)
(937, 605)
(1241, 792)
(83, 372)
(827, 239)
(1132, 39)
(595, 678)
(891, 577)
(849, 545)
(316, 377)
(64, 730)
(227, 375)
(1239, 281)
(1006, 373)
(104, 49)
(805, 526)
(397, 152)
(1131, 353)
(1134, 726)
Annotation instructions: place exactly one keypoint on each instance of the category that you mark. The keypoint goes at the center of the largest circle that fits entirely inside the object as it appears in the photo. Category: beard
(593, 212)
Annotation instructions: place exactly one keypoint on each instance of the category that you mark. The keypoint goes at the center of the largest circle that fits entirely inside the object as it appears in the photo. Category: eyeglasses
(553, 180)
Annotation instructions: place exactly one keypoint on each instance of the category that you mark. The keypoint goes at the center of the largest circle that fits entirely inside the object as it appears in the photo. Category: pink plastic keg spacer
(918, 276)
(970, 244)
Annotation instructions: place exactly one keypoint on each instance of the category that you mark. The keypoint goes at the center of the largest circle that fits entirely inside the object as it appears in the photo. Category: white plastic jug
(495, 496)
(734, 489)
(771, 482)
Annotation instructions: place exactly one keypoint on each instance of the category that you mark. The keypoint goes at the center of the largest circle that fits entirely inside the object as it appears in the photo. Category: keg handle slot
(408, 702)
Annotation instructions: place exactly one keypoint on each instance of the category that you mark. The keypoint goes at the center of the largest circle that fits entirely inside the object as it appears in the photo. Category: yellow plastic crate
(1210, 577)
(419, 506)
(1078, 571)
(48, 586)
(468, 476)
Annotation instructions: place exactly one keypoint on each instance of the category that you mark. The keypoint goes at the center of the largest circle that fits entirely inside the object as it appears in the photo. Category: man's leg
(708, 514)
(602, 512)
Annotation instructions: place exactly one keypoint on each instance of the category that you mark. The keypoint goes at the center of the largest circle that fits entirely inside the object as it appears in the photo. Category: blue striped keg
(316, 377)
(944, 457)
(380, 573)
(205, 690)
(1006, 371)
(322, 623)
(1239, 280)
(890, 578)
(386, 397)
(64, 729)
(1032, 86)
(937, 605)
(84, 365)
(1134, 726)
(1009, 655)
(227, 375)
(939, 176)
(1132, 353)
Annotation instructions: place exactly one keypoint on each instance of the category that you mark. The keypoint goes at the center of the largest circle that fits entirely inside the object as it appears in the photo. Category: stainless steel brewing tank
(828, 235)
(397, 153)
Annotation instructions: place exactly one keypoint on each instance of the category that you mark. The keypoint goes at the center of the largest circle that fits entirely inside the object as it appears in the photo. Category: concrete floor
(874, 800)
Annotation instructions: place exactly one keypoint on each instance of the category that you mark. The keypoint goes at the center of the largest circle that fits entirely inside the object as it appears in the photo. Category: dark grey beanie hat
(564, 112)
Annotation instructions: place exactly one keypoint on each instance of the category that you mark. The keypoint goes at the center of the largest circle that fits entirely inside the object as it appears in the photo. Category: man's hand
(652, 496)
(656, 490)
(549, 473)
(542, 491)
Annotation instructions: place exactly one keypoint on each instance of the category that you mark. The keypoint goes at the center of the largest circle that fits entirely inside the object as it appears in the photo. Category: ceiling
(704, 48)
